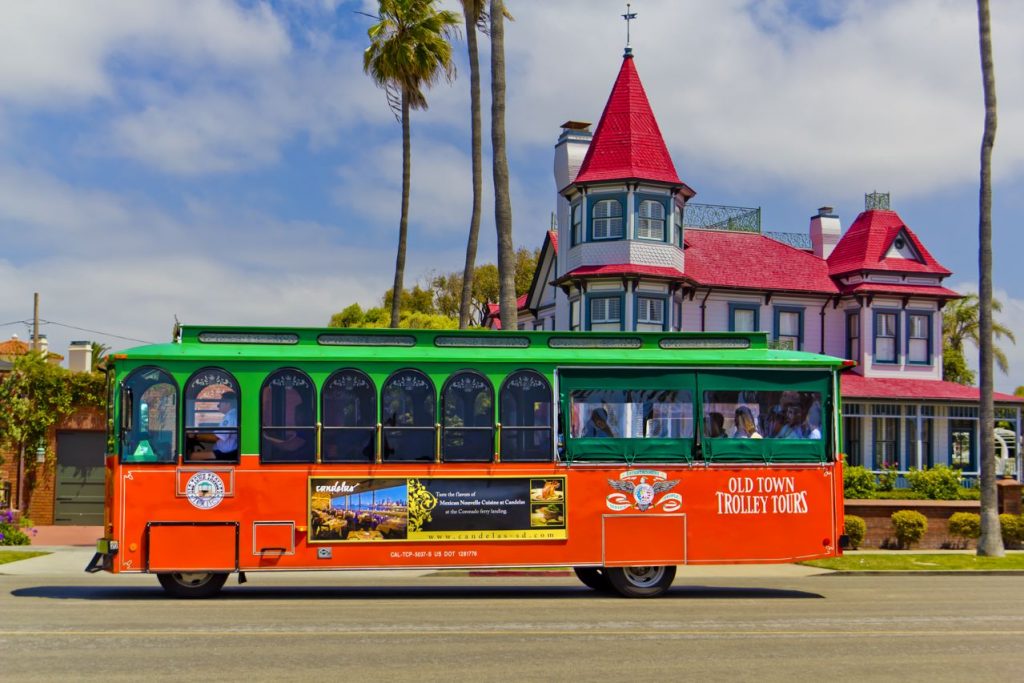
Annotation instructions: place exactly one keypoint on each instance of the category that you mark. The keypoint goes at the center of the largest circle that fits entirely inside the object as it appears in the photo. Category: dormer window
(651, 225)
(608, 219)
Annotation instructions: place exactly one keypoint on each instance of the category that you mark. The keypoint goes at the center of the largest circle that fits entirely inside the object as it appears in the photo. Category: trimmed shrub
(965, 525)
(909, 527)
(937, 483)
(1012, 527)
(856, 528)
(969, 494)
(899, 494)
(858, 482)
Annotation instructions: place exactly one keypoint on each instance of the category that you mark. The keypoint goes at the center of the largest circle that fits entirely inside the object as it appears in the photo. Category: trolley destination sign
(437, 509)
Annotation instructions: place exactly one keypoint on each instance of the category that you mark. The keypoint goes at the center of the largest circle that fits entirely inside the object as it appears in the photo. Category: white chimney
(44, 344)
(80, 356)
(572, 146)
(825, 232)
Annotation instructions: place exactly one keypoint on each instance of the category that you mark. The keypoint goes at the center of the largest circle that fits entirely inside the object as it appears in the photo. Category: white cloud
(53, 53)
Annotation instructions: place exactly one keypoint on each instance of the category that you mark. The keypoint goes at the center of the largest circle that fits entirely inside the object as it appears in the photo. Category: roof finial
(628, 16)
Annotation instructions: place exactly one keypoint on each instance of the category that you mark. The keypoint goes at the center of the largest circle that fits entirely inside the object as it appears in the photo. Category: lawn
(15, 555)
(923, 562)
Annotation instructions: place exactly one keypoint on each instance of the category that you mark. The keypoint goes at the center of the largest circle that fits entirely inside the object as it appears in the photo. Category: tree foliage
(436, 304)
(36, 394)
(961, 324)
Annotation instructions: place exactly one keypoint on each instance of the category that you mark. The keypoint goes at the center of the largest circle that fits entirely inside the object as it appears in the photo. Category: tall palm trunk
(991, 541)
(502, 202)
(403, 224)
(466, 304)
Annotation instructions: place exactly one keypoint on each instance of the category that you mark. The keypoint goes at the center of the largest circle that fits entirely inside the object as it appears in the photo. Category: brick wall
(877, 515)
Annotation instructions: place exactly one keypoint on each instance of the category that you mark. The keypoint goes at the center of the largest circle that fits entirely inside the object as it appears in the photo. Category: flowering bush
(10, 534)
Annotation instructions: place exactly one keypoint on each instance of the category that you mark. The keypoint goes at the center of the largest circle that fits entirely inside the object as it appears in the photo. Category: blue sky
(229, 162)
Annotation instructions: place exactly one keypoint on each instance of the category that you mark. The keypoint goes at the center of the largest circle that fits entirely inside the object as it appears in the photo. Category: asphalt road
(384, 627)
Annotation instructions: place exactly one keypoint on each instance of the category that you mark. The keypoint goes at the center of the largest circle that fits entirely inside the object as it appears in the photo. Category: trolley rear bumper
(103, 560)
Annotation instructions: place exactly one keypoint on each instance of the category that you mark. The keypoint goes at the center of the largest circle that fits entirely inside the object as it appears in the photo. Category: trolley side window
(468, 427)
(629, 415)
(526, 418)
(288, 417)
(409, 411)
(349, 415)
(764, 416)
(149, 414)
(211, 416)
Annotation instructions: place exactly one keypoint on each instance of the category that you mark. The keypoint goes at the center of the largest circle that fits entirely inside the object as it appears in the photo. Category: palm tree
(473, 10)
(502, 201)
(409, 51)
(961, 322)
(991, 540)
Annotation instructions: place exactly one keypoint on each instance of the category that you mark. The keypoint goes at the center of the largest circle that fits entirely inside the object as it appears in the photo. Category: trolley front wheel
(192, 584)
(640, 582)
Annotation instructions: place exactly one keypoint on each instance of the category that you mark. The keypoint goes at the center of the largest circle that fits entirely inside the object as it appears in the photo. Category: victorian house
(631, 250)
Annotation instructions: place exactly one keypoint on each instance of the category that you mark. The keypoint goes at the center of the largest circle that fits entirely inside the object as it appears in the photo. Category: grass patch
(912, 563)
(15, 555)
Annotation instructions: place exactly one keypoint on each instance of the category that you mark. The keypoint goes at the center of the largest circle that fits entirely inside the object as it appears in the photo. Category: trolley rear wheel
(594, 577)
(640, 582)
(192, 584)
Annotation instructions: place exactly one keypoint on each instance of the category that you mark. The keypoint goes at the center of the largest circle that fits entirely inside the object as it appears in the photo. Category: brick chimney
(825, 232)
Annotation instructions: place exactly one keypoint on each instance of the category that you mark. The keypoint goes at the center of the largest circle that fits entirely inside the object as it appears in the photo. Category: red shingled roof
(751, 261)
(628, 142)
(13, 347)
(864, 245)
(901, 289)
(494, 310)
(553, 236)
(855, 386)
(625, 269)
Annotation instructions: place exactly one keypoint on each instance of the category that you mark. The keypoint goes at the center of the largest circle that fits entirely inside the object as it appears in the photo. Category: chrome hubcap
(192, 579)
(644, 577)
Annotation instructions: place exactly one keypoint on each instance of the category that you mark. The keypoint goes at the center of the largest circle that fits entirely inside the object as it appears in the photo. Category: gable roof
(865, 244)
(747, 260)
(627, 143)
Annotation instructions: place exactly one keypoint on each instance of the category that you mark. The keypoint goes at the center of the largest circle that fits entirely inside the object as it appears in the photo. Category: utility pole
(35, 321)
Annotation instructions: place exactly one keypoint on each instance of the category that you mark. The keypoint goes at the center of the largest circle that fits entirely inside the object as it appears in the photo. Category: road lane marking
(531, 632)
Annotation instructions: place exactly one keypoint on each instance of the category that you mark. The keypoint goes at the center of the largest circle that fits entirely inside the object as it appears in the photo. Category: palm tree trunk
(466, 304)
(991, 541)
(502, 202)
(403, 224)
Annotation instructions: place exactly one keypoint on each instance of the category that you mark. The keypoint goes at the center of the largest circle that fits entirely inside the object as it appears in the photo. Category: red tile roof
(856, 386)
(751, 261)
(624, 269)
(864, 245)
(553, 236)
(901, 289)
(13, 347)
(628, 142)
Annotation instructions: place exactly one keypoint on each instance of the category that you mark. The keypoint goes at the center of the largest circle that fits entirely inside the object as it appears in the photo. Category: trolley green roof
(221, 343)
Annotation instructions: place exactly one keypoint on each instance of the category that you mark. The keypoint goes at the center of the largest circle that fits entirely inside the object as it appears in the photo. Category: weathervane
(628, 16)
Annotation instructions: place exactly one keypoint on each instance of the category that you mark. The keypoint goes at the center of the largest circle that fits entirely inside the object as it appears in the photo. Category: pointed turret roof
(866, 244)
(628, 143)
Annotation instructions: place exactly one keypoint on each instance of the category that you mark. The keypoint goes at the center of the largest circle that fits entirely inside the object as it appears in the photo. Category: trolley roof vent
(489, 341)
(595, 342)
(248, 338)
(365, 340)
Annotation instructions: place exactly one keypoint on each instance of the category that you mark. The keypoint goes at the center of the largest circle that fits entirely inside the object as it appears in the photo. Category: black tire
(594, 577)
(192, 584)
(640, 582)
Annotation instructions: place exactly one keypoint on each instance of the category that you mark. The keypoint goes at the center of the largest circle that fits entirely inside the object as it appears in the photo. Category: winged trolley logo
(639, 489)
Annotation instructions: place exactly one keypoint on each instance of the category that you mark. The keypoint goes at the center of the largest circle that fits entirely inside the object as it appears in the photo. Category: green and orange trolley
(621, 455)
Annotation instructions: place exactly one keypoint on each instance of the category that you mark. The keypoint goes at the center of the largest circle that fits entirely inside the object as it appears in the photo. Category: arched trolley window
(149, 416)
(288, 417)
(408, 412)
(211, 416)
(468, 435)
(349, 410)
(526, 418)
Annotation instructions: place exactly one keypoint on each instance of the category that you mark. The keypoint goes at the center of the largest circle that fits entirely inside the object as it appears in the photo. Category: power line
(105, 334)
(16, 322)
